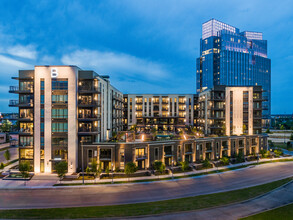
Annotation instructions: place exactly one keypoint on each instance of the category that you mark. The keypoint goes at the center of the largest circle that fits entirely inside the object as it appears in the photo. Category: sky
(144, 46)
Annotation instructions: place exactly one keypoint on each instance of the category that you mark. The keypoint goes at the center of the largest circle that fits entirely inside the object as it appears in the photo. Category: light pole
(217, 163)
(82, 168)
(112, 172)
(172, 168)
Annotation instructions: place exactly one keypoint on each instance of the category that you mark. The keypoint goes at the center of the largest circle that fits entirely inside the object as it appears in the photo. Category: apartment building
(225, 110)
(164, 112)
(61, 107)
(115, 155)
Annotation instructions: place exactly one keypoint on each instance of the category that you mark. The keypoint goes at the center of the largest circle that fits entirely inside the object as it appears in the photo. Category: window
(42, 127)
(26, 141)
(59, 113)
(59, 127)
(156, 153)
(42, 84)
(59, 98)
(61, 142)
(42, 99)
(59, 85)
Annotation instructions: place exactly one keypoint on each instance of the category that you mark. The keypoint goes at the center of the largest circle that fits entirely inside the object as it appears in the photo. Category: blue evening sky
(145, 46)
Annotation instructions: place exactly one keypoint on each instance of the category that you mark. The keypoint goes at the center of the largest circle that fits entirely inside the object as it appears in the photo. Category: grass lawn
(283, 146)
(174, 205)
(285, 212)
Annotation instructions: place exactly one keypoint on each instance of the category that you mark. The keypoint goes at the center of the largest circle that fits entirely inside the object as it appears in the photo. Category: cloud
(117, 64)
(10, 62)
(28, 51)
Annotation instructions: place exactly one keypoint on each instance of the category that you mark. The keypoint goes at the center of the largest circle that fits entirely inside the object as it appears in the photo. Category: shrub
(159, 166)
(278, 152)
(2, 166)
(7, 155)
(225, 160)
(61, 169)
(87, 170)
(94, 166)
(130, 168)
(24, 168)
(206, 164)
(184, 166)
(265, 153)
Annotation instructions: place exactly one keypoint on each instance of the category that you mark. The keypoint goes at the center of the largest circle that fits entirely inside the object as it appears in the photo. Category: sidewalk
(170, 175)
(47, 181)
(4, 145)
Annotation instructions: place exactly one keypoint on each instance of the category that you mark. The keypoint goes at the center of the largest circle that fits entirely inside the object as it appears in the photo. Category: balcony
(119, 107)
(225, 147)
(88, 89)
(89, 117)
(141, 156)
(16, 103)
(24, 117)
(15, 89)
(88, 131)
(82, 103)
(26, 131)
(217, 98)
(116, 97)
(105, 157)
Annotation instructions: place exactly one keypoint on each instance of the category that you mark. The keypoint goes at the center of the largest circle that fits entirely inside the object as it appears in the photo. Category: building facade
(233, 58)
(115, 155)
(226, 110)
(169, 112)
(60, 107)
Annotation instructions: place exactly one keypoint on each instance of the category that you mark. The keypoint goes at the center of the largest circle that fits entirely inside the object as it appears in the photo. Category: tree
(225, 161)
(154, 132)
(7, 155)
(240, 157)
(206, 164)
(6, 126)
(24, 168)
(282, 127)
(99, 171)
(184, 166)
(107, 171)
(94, 166)
(264, 153)
(130, 168)
(2, 165)
(291, 137)
(268, 131)
(278, 152)
(159, 166)
(87, 170)
(61, 169)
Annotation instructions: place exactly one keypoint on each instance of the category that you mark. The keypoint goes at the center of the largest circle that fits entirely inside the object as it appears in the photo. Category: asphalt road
(143, 192)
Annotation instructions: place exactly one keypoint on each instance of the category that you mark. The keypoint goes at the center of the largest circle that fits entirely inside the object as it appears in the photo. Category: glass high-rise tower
(233, 58)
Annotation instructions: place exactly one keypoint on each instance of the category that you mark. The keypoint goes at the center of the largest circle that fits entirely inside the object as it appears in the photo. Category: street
(143, 192)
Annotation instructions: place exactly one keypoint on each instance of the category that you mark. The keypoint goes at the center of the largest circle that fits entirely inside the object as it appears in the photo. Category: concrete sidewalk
(47, 181)
(274, 199)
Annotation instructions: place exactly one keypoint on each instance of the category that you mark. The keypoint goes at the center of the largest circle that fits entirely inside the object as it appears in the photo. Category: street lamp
(112, 172)
(82, 168)
(217, 163)
(172, 168)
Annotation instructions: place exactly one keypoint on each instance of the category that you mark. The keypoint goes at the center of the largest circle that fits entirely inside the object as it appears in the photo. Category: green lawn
(175, 205)
(285, 212)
